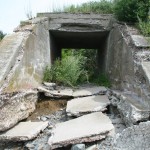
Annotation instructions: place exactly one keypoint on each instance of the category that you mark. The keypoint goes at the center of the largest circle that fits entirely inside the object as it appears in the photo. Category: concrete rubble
(23, 131)
(84, 105)
(88, 128)
(140, 41)
(131, 110)
(68, 92)
(16, 107)
(136, 137)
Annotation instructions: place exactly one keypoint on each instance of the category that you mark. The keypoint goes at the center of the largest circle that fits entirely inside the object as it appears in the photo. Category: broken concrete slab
(85, 91)
(23, 131)
(88, 128)
(16, 107)
(130, 108)
(140, 41)
(134, 137)
(84, 105)
(60, 93)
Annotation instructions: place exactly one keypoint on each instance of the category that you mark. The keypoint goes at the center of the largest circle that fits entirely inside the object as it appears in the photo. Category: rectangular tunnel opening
(60, 41)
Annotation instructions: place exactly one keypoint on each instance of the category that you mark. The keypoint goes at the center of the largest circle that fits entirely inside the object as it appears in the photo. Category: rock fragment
(24, 131)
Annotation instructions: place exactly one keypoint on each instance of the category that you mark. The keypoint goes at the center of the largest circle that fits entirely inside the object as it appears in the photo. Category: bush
(104, 7)
(68, 71)
(128, 10)
(144, 27)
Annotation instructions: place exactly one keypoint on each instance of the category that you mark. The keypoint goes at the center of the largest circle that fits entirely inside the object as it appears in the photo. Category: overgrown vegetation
(77, 66)
(144, 27)
(68, 71)
(103, 6)
(130, 10)
(2, 35)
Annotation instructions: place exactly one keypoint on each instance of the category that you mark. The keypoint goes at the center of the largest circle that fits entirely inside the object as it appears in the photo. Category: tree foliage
(130, 10)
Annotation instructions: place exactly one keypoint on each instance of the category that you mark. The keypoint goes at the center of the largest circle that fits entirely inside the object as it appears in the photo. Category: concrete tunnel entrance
(77, 40)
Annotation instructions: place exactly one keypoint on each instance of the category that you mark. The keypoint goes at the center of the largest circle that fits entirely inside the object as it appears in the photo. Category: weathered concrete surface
(16, 107)
(23, 131)
(88, 128)
(35, 56)
(141, 41)
(9, 49)
(84, 91)
(119, 62)
(101, 20)
(131, 109)
(136, 137)
(60, 93)
(80, 106)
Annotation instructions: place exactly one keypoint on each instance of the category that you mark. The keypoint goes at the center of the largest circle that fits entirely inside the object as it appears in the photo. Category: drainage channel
(54, 111)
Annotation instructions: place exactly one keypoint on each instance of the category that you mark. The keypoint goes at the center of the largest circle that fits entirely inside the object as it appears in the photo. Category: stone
(140, 41)
(84, 105)
(93, 147)
(78, 147)
(136, 137)
(84, 91)
(146, 69)
(88, 128)
(16, 107)
(130, 108)
(23, 131)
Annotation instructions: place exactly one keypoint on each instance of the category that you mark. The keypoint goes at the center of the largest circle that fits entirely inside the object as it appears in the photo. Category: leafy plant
(67, 71)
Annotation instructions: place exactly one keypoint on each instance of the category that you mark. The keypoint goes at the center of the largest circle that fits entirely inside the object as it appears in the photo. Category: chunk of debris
(88, 128)
(62, 93)
(16, 107)
(84, 105)
(136, 137)
(81, 92)
(140, 41)
(23, 131)
(130, 108)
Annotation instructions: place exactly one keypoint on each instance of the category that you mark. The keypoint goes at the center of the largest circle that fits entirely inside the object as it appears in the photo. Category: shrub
(144, 27)
(67, 71)
(128, 10)
(103, 6)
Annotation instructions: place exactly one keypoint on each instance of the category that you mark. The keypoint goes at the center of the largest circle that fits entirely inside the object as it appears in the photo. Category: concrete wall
(119, 63)
(28, 73)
